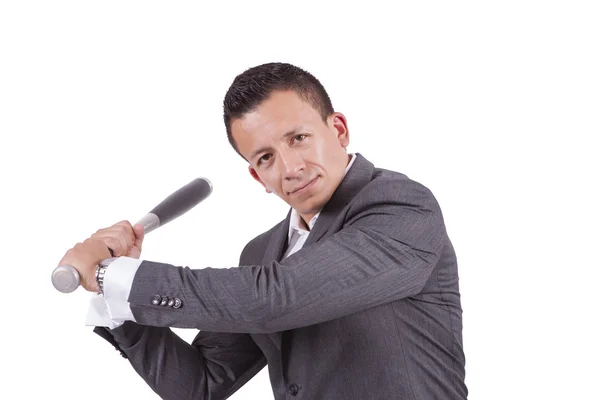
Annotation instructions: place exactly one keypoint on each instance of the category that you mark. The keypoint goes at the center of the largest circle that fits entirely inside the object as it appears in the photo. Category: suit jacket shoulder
(400, 182)
(391, 187)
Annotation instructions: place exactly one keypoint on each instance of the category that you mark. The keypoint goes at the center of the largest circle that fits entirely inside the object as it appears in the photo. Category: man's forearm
(212, 367)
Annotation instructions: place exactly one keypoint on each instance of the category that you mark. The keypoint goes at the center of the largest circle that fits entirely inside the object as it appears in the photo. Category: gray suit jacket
(369, 308)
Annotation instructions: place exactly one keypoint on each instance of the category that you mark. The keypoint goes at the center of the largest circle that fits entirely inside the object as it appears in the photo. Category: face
(292, 152)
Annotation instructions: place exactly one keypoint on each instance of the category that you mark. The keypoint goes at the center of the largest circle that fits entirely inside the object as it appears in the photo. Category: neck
(305, 220)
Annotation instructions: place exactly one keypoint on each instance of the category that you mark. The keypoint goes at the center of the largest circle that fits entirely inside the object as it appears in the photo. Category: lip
(305, 187)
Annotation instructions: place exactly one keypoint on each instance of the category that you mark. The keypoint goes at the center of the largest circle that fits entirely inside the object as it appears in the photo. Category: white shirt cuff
(97, 314)
(112, 309)
(118, 279)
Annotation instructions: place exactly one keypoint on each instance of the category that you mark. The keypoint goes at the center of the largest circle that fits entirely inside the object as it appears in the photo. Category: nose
(292, 163)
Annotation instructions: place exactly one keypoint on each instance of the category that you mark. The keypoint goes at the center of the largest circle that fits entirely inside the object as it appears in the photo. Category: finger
(114, 245)
(126, 229)
(128, 232)
(138, 230)
(112, 239)
(115, 239)
(122, 237)
(97, 249)
(113, 231)
(126, 226)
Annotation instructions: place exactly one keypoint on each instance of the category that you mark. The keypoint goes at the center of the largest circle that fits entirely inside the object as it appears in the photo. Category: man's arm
(213, 366)
(386, 251)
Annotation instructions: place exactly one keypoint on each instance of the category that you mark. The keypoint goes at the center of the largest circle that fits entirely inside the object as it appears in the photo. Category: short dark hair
(256, 84)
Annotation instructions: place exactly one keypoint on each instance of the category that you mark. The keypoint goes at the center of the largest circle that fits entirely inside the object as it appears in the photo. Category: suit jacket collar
(357, 177)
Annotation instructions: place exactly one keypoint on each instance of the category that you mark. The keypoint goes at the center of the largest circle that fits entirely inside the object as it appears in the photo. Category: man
(354, 295)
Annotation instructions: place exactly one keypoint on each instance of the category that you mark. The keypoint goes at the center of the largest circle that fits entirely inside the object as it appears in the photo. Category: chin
(314, 205)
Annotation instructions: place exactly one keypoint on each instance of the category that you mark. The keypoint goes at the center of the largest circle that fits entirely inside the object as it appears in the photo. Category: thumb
(138, 230)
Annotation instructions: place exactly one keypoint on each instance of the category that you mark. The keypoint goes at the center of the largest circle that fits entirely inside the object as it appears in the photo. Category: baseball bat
(66, 279)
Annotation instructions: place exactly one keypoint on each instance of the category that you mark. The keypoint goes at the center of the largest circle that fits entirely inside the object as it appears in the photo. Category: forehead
(278, 114)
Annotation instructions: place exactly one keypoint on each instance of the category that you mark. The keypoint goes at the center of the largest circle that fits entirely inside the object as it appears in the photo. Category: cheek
(317, 153)
(325, 157)
(271, 181)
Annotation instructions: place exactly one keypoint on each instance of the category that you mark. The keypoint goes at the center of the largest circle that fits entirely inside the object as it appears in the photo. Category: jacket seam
(408, 375)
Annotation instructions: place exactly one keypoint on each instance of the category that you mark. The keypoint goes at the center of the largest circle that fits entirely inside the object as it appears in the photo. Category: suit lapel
(357, 177)
(278, 242)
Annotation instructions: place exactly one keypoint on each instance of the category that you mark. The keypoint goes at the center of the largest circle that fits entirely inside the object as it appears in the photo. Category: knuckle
(127, 233)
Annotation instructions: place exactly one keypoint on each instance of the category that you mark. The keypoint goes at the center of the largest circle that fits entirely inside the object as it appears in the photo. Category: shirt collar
(295, 217)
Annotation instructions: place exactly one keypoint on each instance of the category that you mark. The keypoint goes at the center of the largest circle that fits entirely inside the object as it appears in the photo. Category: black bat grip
(182, 200)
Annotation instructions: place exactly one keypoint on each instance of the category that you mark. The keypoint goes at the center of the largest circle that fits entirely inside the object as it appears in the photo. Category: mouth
(304, 187)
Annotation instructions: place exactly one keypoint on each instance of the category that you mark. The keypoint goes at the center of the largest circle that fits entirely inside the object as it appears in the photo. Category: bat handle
(66, 279)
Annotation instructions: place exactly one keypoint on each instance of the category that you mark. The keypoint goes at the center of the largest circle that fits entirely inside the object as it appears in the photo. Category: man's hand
(122, 238)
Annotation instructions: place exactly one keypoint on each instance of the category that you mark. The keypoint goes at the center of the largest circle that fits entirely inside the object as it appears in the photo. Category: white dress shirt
(112, 308)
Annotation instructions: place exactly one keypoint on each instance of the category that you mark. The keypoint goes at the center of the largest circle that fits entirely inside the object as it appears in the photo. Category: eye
(300, 137)
(264, 158)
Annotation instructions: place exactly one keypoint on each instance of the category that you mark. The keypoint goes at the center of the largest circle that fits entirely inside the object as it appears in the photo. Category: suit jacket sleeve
(391, 239)
(213, 366)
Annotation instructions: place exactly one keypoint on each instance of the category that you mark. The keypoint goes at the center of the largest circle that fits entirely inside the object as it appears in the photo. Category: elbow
(418, 274)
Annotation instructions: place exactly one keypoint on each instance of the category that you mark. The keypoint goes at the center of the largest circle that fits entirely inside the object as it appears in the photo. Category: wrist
(100, 273)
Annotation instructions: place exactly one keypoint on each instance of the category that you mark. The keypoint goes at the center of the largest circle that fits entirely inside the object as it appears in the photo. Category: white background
(107, 107)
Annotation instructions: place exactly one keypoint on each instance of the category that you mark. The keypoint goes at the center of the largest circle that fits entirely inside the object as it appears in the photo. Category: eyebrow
(286, 135)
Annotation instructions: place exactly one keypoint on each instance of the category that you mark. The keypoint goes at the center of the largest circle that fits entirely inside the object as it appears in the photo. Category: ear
(339, 125)
(257, 178)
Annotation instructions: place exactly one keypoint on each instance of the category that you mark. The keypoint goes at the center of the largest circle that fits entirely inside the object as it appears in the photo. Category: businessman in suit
(354, 295)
